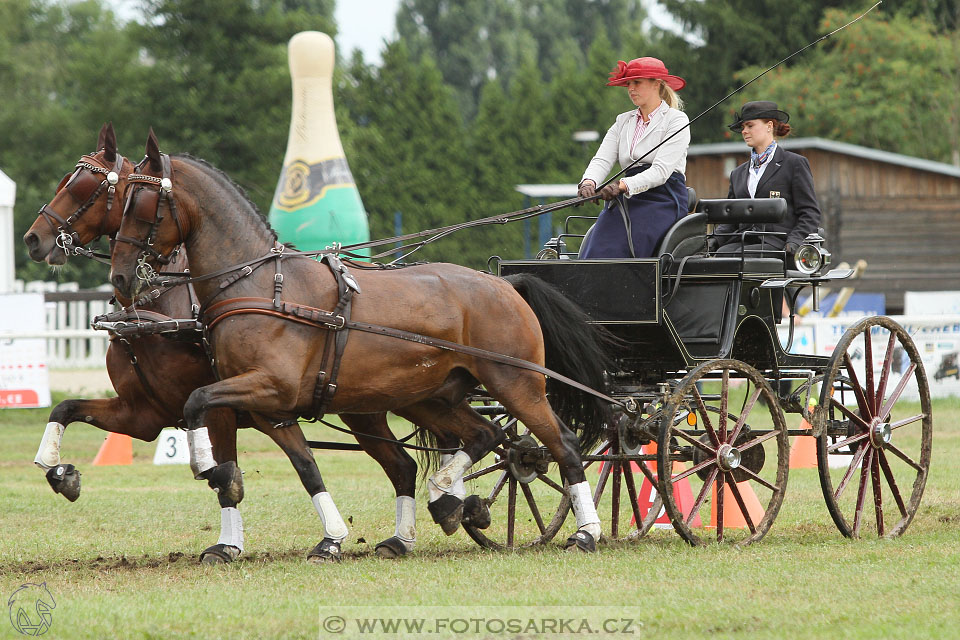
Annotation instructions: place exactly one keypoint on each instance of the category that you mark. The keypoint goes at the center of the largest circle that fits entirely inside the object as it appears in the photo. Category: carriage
(700, 365)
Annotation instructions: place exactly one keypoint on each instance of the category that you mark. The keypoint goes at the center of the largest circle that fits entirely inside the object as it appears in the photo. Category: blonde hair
(670, 96)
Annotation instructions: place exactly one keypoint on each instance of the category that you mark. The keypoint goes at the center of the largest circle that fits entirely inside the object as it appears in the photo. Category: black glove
(712, 244)
(610, 191)
(790, 248)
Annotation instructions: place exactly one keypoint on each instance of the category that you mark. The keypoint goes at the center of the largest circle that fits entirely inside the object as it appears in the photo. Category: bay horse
(271, 355)
(153, 375)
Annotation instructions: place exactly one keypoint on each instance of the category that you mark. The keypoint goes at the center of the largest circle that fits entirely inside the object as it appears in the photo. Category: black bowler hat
(759, 110)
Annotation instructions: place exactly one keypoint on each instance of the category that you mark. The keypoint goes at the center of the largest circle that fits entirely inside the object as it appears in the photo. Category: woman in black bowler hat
(652, 195)
(772, 172)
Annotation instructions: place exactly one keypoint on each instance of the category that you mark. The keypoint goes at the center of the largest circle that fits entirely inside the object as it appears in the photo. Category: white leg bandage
(449, 477)
(584, 509)
(333, 525)
(201, 451)
(406, 529)
(231, 528)
(48, 455)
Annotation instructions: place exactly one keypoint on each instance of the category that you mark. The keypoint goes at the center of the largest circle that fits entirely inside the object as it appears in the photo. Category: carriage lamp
(553, 249)
(811, 256)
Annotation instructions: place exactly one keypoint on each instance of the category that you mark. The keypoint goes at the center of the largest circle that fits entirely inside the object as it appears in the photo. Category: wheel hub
(524, 461)
(728, 457)
(881, 434)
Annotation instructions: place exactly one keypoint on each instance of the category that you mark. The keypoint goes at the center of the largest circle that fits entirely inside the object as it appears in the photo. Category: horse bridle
(147, 196)
(86, 191)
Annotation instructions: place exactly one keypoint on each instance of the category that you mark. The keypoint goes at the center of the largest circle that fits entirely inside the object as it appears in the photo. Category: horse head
(85, 207)
(150, 231)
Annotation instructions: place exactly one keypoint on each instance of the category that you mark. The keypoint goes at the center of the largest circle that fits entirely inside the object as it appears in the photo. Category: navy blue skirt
(650, 215)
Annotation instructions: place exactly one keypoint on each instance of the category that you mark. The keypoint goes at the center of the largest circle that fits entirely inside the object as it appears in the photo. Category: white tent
(8, 195)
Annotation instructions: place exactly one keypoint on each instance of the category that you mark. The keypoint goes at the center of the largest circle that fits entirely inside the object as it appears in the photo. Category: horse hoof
(476, 513)
(65, 480)
(227, 480)
(327, 550)
(219, 554)
(581, 541)
(391, 548)
(447, 511)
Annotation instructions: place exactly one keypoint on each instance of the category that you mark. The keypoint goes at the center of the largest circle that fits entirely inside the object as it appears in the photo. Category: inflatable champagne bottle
(316, 202)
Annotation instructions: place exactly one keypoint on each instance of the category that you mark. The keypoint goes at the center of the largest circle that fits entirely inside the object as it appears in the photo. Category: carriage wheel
(624, 479)
(728, 464)
(523, 490)
(874, 442)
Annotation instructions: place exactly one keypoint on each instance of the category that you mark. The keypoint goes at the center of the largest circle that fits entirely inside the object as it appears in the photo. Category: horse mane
(223, 177)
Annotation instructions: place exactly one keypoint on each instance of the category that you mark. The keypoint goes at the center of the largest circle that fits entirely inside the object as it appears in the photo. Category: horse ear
(108, 142)
(102, 136)
(153, 152)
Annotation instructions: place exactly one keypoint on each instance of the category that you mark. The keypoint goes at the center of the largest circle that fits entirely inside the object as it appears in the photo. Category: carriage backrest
(744, 210)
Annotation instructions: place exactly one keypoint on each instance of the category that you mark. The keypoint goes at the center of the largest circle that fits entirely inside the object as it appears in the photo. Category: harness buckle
(278, 248)
(278, 278)
(340, 324)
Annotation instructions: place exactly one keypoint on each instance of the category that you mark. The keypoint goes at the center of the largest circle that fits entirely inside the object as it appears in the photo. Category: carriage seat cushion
(716, 265)
(687, 236)
(744, 210)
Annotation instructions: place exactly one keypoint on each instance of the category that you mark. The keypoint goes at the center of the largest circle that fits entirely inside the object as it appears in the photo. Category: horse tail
(574, 348)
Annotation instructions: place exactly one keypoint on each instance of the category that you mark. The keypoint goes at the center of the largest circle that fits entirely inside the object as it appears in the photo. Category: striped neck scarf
(757, 160)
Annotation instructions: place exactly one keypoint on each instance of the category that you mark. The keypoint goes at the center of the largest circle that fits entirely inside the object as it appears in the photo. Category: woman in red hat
(773, 172)
(652, 195)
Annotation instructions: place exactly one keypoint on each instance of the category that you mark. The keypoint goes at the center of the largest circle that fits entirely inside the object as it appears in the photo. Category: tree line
(469, 100)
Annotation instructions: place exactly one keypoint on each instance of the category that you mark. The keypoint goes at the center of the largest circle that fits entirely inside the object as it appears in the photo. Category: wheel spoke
(892, 400)
(720, 483)
(705, 416)
(868, 370)
(550, 483)
(857, 389)
(906, 421)
(740, 503)
(752, 443)
(482, 472)
(892, 483)
(848, 441)
(701, 496)
(601, 482)
(511, 510)
(533, 507)
(724, 398)
(861, 495)
(758, 479)
(632, 495)
(692, 470)
(498, 486)
(645, 470)
(742, 420)
(615, 500)
(854, 463)
(877, 495)
(693, 441)
(850, 414)
(885, 374)
(900, 454)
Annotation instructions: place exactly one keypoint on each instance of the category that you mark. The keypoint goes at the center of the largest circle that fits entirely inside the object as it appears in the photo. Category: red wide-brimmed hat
(643, 68)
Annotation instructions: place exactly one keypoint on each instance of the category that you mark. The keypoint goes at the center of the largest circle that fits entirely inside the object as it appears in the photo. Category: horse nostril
(119, 282)
(31, 240)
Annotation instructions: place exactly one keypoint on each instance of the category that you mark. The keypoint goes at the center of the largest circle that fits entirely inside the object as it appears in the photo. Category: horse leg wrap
(334, 528)
(48, 455)
(231, 528)
(584, 509)
(201, 452)
(65, 480)
(448, 480)
(227, 480)
(404, 535)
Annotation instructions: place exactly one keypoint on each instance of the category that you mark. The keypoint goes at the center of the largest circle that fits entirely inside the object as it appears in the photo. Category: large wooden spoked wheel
(522, 488)
(874, 427)
(731, 482)
(619, 485)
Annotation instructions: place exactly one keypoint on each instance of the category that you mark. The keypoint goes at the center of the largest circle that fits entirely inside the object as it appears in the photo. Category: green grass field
(122, 560)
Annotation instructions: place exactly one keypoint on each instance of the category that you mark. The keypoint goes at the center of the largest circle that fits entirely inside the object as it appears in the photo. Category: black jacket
(788, 176)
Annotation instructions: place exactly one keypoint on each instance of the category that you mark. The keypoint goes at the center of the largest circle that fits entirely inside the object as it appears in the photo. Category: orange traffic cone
(116, 449)
(732, 516)
(682, 493)
(803, 453)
